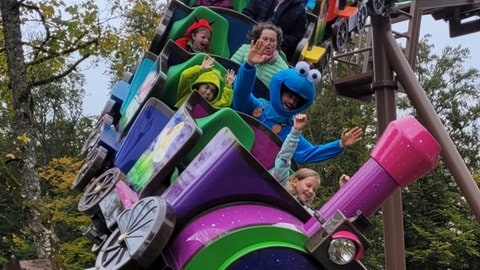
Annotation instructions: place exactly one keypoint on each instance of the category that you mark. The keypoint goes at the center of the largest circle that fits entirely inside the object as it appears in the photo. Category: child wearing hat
(208, 82)
(197, 38)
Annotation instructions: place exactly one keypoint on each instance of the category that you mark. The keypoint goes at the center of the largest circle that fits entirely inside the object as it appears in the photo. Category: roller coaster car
(230, 25)
(229, 28)
(142, 70)
(336, 20)
(247, 220)
(151, 120)
(114, 103)
(225, 211)
(100, 148)
(383, 7)
(148, 124)
(228, 173)
(107, 196)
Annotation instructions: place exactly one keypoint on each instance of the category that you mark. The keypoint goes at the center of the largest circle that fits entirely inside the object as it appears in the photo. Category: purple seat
(228, 173)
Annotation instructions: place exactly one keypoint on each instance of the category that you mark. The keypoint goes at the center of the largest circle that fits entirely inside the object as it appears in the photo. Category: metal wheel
(143, 231)
(377, 6)
(98, 190)
(361, 18)
(340, 35)
(114, 254)
(94, 136)
(93, 163)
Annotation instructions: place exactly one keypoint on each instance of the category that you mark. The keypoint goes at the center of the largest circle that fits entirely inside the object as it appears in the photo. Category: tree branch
(44, 23)
(61, 75)
(52, 55)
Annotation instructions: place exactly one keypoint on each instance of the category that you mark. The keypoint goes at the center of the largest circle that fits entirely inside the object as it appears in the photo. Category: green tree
(329, 115)
(441, 232)
(138, 25)
(43, 41)
(60, 126)
(75, 252)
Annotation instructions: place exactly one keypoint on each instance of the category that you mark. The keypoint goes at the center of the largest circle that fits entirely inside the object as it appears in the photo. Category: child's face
(290, 101)
(207, 91)
(201, 39)
(306, 188)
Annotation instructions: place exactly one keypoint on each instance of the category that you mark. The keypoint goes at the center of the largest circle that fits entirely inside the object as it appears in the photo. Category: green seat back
(168, 93)
(218, 44)
(212, 123)
(238, 5)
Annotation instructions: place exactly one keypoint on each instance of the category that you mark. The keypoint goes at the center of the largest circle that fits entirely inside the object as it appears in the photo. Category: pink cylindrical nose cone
(404, 153)
(406, 150)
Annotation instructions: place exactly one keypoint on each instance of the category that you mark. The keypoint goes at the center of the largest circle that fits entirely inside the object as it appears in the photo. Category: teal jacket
(283, 160)
(265, 71)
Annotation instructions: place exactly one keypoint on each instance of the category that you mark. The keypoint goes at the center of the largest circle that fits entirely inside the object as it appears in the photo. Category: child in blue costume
(292, 91)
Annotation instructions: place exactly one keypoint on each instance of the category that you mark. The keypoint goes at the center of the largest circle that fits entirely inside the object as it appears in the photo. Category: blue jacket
(272, 113)
(290, 16)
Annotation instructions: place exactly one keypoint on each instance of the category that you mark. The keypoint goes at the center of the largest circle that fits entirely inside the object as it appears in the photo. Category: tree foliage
(138, 26)
(441, 232)
(75, 250)
(43, 42)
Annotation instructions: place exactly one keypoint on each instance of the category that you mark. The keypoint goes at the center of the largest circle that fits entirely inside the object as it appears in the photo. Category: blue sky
(97, 88)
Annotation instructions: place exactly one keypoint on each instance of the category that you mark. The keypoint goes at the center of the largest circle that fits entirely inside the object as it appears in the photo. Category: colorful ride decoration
(189, 188)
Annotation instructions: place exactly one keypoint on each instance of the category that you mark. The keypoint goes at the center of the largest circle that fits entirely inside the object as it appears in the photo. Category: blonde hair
(301, 174)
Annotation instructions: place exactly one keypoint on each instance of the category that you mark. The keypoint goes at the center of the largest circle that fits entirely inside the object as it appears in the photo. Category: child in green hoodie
(208, 82)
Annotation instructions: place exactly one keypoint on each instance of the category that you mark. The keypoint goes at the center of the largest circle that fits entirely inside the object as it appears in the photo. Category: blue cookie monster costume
(298, 80)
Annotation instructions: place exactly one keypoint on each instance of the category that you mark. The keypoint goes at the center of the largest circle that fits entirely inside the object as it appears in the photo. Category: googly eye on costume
(314, 76)
(303, 68)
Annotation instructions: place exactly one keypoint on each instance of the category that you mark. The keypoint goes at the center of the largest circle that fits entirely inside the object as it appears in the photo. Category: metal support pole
(420, 101)
(384, 86)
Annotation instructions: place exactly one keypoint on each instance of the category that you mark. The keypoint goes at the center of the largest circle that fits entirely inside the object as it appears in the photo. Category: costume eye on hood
(299, 80)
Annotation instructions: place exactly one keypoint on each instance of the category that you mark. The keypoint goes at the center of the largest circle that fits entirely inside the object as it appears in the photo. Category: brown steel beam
(424, 107)
(443, 3)
(384, 86)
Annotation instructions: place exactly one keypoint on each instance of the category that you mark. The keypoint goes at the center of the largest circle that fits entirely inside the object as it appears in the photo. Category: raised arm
(309, 153)
(285, 155)
(188, 77)
(225, 100)
(243, 99)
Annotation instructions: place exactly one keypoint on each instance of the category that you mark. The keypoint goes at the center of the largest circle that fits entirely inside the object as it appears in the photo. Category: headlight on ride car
(344, 248)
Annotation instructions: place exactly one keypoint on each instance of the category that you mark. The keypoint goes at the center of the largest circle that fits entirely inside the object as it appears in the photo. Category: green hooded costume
(194, 75)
